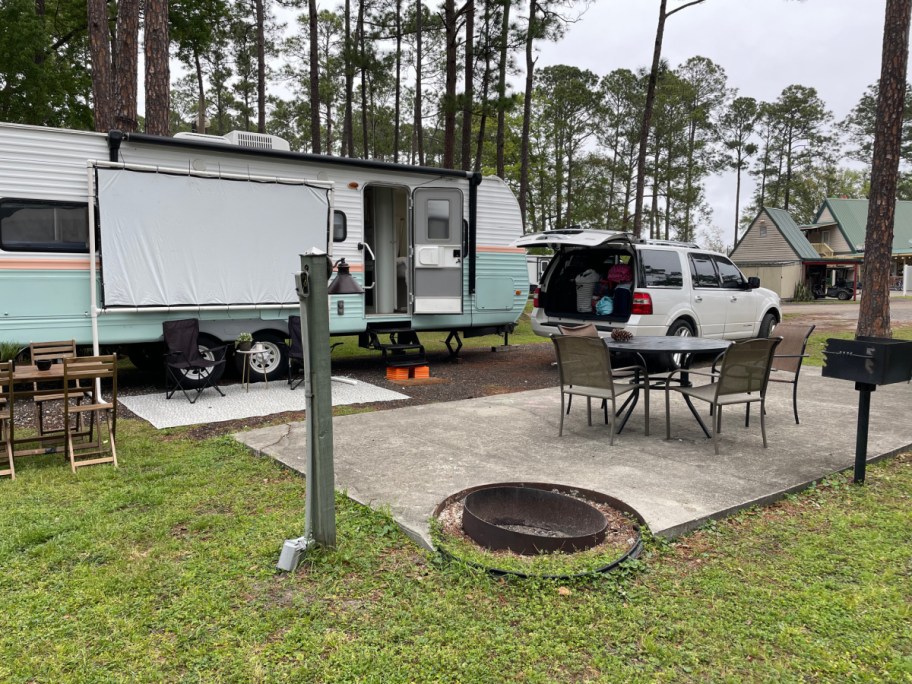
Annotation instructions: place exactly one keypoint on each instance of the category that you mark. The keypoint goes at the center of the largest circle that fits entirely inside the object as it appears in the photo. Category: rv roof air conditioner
(203, 137)
(260, 141)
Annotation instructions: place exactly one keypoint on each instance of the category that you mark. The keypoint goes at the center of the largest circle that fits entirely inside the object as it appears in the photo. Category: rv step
(402, 350)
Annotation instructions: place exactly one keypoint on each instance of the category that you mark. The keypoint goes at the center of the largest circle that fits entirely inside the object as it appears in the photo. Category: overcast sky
(763, 45)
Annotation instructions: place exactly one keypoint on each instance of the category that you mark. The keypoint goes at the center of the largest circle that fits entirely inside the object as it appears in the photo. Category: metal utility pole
(320, 513)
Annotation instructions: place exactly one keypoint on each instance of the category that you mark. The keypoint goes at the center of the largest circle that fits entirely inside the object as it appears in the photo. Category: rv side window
(38, 226)
(340, 226)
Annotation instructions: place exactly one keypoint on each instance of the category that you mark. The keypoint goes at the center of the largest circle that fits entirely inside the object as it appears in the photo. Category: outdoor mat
(262, 400)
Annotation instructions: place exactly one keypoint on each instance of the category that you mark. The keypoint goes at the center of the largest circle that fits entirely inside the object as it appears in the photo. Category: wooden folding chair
(54, 352)
(7, 403)
(89, 448)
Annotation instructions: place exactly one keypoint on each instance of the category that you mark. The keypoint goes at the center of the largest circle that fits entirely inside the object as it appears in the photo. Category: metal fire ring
(530, 521)
(633, 551)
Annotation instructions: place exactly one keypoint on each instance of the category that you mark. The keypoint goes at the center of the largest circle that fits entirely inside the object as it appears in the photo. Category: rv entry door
(438, 251)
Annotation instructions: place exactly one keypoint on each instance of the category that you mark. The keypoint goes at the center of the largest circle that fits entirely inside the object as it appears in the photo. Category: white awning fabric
(185, 240)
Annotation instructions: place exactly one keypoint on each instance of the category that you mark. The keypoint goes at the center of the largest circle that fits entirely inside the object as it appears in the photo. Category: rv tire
(148, 358)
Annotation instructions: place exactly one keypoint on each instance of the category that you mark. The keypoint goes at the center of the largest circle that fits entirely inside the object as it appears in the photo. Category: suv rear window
(661, 268)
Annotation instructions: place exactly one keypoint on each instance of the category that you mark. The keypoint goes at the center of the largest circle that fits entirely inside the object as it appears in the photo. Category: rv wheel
(146, 357)
(273, 363)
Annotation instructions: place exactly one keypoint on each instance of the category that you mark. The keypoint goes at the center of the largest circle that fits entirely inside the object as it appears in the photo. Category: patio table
(687, 347)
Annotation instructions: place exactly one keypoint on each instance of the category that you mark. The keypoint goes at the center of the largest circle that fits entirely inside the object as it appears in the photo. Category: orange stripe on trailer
(505, 250)
(33, 264)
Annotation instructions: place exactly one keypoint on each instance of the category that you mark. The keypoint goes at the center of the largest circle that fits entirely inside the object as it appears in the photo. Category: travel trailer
(212, 227)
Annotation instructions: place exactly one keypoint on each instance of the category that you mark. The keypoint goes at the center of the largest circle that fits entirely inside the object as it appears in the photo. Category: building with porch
(825, 254)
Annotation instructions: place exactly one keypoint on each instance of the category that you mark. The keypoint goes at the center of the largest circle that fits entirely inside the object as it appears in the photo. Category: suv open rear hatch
(574, 237)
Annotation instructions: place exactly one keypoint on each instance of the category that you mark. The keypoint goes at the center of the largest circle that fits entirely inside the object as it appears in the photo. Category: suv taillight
(642, 304)
(535, 297)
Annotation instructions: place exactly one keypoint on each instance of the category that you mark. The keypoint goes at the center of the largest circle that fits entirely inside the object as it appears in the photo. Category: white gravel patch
(262, 400)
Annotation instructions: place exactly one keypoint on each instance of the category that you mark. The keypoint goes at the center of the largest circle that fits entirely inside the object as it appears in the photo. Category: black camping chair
(185, 368)
(295, 352)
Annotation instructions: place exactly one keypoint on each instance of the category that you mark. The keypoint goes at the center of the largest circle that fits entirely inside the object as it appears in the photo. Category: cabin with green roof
(828, 252)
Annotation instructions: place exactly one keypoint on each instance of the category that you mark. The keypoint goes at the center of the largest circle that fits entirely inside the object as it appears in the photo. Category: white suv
(674, 288)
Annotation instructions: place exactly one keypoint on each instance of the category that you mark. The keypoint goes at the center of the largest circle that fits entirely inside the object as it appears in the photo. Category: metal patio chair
(589, 330)
(584, 364)
(789, 356)
(742, 378)
(186, 369)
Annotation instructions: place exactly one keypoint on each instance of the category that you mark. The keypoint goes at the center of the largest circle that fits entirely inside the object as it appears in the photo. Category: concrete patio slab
(407, 460)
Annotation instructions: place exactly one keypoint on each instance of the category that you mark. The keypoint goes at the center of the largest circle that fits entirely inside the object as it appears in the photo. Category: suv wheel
(767, 325)
(680, 328)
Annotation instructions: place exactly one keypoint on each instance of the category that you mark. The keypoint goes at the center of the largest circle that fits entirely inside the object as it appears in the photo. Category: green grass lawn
(163, 570)
(817, 343)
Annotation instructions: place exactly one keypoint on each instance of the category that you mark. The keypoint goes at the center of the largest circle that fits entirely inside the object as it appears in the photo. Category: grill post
(861, 438)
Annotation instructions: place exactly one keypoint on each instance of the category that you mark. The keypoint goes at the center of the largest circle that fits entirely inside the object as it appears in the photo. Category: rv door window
(438, 213)
(38, 226)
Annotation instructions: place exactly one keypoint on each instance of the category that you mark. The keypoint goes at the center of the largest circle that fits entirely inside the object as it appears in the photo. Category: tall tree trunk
(874, 314)
(740, 161)
(469, 95)
(485, 93)
(158, 73)
(527, 113)
(362, 58)
(102, 71)
(788, 171)
(126, 63)
(418, 134)
(261, 64)
(201, 91)
(647, 121)
(449, 94)
(348, 134)
(688, 180)
(397, 115)
(647, 111)
(502, 89)
(315, 146)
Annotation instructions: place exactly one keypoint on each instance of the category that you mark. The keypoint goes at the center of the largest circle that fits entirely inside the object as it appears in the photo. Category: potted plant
(243, 341)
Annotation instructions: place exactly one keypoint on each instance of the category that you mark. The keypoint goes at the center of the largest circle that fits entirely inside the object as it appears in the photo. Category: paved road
(832, 314)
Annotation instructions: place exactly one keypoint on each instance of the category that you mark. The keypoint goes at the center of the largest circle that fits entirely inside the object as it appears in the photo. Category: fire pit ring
(599, 565)
(530, 521)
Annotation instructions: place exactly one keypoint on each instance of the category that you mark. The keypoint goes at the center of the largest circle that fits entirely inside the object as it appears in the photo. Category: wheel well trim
(687, 318)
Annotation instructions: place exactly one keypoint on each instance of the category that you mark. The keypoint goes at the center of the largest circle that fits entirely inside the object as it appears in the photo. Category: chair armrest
(219, 352)
(628, 368)
(707, 374)
(791, 356)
